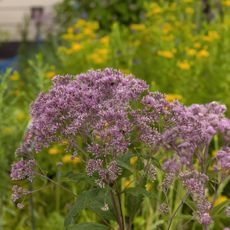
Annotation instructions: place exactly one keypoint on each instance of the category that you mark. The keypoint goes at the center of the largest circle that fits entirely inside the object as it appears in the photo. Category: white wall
(12, 13)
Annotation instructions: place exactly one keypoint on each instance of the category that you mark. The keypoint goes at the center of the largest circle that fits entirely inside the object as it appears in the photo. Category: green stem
(177, 209)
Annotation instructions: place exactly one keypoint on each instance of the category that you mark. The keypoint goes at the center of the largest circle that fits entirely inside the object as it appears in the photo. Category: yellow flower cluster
(165, 53)
(172, 97)
(183, 65)
(99, 56)
(14, 76)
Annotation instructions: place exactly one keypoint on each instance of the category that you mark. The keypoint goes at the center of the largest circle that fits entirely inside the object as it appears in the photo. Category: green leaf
(77, 208)
(93, 199)
(125, 165)
(156, 162)
(134, 198)
(88, 226)
(137, 191)
(79, 177)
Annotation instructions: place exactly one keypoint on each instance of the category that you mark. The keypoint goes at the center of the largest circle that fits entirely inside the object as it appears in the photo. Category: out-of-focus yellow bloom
(149, 187)
(212, 35)
(93, 25)
(102, 51)
(190, 52)
(133, 160)
(137, 27)
(8, 130)
(166, 28)
(165, 53)
(154, 9)
(70, 30)
(21, 116)
(68, 37)
(76, 47)
(189, 10)
(89, 32)
(226, 3)
(203, 53)
(127, 183)
(172, 6)
(220, 200)
(172, 97)
(214, 152)
(53, 150)
(80, 23)
(68, 158)
(50, 74)
(183, 65)
(197, 45)
(65, 142)
(188, 1)
(96, 58)
(15, 76)
(104, 40)
(99, 56)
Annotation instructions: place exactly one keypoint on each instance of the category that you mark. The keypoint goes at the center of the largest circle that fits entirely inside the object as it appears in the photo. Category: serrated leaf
(88, 226)
(81, 203)
(93, 199)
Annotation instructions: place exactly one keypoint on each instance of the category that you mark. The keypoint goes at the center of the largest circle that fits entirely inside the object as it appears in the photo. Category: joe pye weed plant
(134, 146)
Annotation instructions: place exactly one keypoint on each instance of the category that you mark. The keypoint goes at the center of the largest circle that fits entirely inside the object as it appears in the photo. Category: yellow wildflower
(220, 200)
(93, 25)
(214, 152)
(173, 6)
(154, 9)
(53, 151)
(102, 51)
(226, 3)
(166, 28)
(15, 76)
(68, 37)
(190, 52)
(50, 74)
(65, 142)
(149, 187)
(197, 45)
(68, 158)
(80, 23)
(76, 47)
(165, 53)
(189, 10)
(127, 183)
(203, 53)
(172, 97)
(133, 160)
(137, 27)
(21, 116)
(183, 65)
(104, 40)
(89, 32)
(70, 30)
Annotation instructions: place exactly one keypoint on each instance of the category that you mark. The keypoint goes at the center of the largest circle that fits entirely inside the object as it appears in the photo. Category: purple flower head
(223, 159)
(22, 169)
